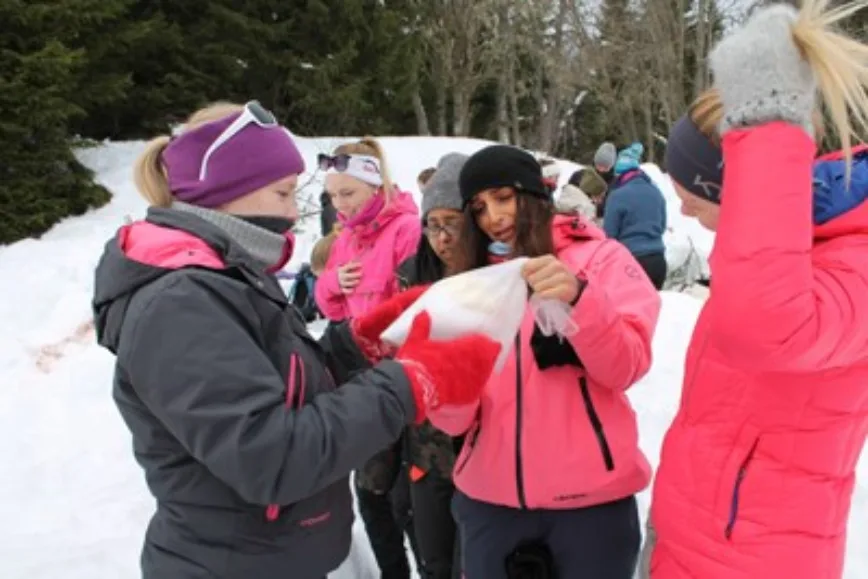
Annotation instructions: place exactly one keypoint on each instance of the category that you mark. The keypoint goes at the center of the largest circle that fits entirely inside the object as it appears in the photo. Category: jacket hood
(568, 229)
(402, 204)
(840, 209)
(143, 252)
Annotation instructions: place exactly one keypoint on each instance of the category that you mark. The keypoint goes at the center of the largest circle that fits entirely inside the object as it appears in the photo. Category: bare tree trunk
(504, 78)
(460, 111)
(502, 111)
(441, 109)
(557, 63)
(649, 126)
(702, 24)
(421, 116)
(514, 112)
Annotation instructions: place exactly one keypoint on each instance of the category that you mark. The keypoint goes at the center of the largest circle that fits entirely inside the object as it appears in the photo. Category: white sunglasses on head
(253, 114)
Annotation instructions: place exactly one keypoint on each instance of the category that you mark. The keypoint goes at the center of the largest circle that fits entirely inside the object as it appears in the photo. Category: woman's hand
(349, 276)
(550, 278)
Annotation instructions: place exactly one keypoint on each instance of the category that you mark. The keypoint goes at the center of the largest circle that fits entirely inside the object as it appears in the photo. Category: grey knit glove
(761, 74)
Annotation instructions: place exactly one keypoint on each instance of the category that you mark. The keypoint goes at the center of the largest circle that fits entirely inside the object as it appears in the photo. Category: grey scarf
(266, 247)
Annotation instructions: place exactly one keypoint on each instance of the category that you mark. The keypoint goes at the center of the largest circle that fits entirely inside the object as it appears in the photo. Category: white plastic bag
(491, 300)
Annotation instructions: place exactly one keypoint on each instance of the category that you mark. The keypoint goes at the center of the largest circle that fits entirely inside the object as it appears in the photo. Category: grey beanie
(441, 191)
(605, 156)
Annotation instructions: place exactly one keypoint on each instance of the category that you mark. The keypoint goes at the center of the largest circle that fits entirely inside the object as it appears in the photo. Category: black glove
(551, 351)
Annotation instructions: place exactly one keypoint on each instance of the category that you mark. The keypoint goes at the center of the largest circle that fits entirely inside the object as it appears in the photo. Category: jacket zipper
(273, 511)
(736, 490)
(596, 424)
(519, 475)
(471, 442)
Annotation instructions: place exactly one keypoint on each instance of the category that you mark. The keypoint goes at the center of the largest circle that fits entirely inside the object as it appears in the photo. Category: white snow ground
(74, 502)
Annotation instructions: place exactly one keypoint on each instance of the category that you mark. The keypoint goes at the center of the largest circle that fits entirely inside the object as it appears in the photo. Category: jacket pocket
(295, 389)
(738, 483)
(467, 449)
(596, 424)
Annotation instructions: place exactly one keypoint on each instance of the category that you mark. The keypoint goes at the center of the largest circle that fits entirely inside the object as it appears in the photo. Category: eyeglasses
(433, 231)
(253, 114)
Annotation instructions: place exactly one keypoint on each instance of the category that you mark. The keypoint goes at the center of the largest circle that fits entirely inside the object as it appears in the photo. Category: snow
(75, 503)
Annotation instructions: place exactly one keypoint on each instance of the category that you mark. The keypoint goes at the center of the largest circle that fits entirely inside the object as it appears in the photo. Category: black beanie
(502, 166)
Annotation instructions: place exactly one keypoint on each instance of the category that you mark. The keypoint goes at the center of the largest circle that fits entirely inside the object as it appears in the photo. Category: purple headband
(693, 161)
(251, 159)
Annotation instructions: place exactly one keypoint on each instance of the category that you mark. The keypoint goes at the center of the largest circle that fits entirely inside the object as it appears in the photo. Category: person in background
(424, 176)
(244, 426)
(328, 216)
(604, 164)
(758, 467)
(636, 214)
(604, 161)
(429, 451)
(320, 253)
(579, 194)
(547, 476)
(301, 292)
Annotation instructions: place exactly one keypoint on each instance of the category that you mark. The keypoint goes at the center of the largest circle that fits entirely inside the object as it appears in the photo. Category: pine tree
(340, 74)
(40, 76)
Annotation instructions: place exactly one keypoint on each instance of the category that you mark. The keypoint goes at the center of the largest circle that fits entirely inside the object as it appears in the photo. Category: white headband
(364, 168)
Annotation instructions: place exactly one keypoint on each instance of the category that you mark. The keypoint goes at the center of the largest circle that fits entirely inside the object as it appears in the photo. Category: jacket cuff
(399, 383)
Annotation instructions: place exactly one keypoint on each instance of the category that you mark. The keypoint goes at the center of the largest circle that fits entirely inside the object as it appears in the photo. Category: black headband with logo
(693, 161)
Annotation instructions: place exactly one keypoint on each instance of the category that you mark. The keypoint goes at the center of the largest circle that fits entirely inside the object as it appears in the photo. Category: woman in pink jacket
(380, 228)
(550, 464)
(758, 468)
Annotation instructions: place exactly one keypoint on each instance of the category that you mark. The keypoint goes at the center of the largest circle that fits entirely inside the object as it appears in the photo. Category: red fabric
(366, 329)
(757, 470)
(445, 373)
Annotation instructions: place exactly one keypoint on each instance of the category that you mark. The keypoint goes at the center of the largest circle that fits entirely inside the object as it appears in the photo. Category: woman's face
(348, 194)
(495, 211)
(704, 211)
(274, 200)
(442, 227)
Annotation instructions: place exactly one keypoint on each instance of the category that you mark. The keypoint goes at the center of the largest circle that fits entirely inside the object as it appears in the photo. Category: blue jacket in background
(636, 214)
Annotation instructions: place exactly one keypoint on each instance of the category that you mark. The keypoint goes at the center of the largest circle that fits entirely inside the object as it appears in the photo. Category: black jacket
(204, 361)
(328, 214)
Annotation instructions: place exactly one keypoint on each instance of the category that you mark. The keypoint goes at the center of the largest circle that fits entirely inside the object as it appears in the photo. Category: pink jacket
(566, 437)
(380, 246)
(758, 468)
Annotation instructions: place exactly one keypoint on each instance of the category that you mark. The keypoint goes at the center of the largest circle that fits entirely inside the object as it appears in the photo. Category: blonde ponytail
(371, 147)
(149, 173)
(375, 146)
(840, 66)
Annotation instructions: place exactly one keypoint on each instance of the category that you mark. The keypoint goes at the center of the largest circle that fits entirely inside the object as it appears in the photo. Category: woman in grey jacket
(235, 412)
